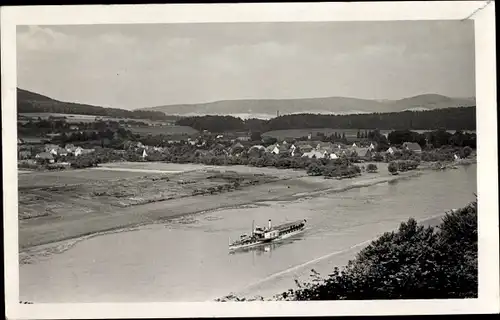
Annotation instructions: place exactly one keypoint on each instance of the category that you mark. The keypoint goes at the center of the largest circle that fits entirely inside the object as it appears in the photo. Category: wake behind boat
(272, 233)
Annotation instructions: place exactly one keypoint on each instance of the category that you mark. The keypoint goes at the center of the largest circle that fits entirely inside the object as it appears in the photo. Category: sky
(146, 65)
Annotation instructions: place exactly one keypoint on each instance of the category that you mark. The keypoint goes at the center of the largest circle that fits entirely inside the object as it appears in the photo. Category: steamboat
(272, 233)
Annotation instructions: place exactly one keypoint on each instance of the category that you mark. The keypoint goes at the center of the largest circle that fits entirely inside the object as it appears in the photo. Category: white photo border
(484, 20)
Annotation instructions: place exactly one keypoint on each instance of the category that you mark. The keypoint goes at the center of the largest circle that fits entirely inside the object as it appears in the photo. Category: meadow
(77, 118)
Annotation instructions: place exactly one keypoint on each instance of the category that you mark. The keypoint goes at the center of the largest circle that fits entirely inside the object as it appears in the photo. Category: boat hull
(266, 241)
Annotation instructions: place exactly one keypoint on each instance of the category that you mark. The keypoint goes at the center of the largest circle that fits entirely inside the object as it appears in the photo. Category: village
(116, 143)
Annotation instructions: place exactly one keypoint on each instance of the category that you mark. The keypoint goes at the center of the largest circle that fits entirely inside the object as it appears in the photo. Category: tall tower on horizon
(277, 113)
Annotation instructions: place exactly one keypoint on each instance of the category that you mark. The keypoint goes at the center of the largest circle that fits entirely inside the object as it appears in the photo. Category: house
(324, 146)
(70, 148)
(48, 147)
(78, 151)
(369, 153)
(51, 148)
(392, 150)
(333, 156)
(314, 154)
(144, 154)
(305, 148)
(276, 149)
(20, 141)
(361, 152)
(74, 127)
(283, 149)
(174, 141)
(412, 146)
(270, 148)
(45, 157)
(87, 151)
(372, 146)
(243, 138)
(354, 145)
(139, 145)
(237, 148)
(23, 155)
(456, 157)
(256, 150)
(62, 152)
(304, 145)
(220, 136)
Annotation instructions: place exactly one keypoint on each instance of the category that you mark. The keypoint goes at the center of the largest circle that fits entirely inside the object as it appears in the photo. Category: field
(166, 130)
(58, 194)
(33, 179)
(75, 118)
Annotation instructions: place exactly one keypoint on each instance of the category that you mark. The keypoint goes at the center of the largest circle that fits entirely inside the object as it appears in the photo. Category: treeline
(415, 262)
(435, 138)
(463, 118)
(214, 123)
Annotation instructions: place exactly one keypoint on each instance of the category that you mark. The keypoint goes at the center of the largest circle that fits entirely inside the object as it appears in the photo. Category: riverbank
(39, 235)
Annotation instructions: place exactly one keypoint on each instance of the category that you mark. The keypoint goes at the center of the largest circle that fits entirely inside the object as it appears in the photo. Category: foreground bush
(371, 168)
(414, 262)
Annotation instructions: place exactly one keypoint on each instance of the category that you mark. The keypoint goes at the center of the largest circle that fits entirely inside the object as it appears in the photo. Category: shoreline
(58, 243)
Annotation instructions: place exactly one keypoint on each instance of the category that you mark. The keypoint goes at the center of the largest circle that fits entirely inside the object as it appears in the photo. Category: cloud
(46, 39)
(115, 39)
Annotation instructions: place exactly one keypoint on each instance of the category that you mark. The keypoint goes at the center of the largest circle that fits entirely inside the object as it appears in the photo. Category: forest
(463, 118)
(30, 102)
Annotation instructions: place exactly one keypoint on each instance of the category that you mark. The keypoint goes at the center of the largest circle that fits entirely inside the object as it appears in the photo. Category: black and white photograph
(236, 162)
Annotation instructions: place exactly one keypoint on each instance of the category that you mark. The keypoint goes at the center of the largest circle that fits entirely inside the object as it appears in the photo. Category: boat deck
(287, 225)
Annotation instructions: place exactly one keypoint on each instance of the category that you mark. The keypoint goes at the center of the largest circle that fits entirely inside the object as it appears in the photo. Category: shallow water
(187, 259)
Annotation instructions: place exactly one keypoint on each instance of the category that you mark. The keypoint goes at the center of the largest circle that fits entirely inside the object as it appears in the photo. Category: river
(187, 259)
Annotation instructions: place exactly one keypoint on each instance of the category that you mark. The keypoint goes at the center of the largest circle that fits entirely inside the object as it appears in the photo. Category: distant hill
(31, 102)
(25, 95)
(267, 108)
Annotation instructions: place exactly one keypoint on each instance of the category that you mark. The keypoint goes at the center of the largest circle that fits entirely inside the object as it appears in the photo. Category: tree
(393, 167)
(371, 168)
(415, 262)
(467, 151)
(377, 157)
(256, 136)
(269, 140)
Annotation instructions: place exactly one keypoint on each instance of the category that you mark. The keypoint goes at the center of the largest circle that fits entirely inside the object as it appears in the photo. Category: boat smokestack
(270, 224)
